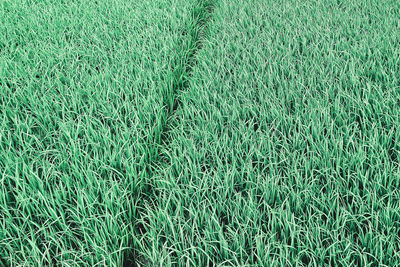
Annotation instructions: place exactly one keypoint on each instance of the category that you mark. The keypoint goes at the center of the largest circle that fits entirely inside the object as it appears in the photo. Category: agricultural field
(199, 133)
(85, 92)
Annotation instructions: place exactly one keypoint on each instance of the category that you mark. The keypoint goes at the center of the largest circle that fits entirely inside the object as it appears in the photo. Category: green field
(199, 133)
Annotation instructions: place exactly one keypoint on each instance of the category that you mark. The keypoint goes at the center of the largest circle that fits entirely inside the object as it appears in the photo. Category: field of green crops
(199, 133)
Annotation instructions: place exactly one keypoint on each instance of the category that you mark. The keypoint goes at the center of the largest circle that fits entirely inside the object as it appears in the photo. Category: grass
(285, 148)
(174, 132)
(82, 107)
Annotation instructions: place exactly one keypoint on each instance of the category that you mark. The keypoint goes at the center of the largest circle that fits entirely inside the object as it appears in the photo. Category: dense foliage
(199, 132)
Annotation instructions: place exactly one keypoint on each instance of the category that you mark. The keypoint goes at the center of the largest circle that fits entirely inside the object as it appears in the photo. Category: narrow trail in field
(180, 76)
(196, 35)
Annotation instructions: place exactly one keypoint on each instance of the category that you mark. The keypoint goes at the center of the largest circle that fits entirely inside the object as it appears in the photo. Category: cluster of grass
(285, 147)
(83, 89)
(156, 133)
